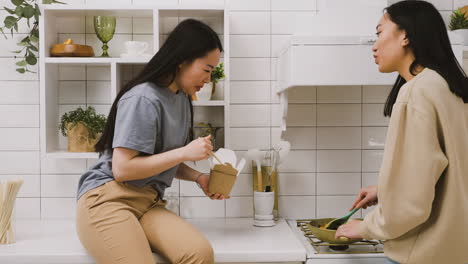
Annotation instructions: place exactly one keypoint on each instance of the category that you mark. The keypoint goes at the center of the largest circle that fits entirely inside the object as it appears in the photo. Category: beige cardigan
(423, 183)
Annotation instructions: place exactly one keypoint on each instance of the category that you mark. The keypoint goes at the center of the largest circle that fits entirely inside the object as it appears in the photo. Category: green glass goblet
(104, 26)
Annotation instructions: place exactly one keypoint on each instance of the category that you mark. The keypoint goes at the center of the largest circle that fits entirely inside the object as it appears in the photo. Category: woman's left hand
(203, 181)
(349, 230)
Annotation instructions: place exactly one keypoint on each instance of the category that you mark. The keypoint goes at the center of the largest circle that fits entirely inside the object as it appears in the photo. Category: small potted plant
(208, 129)
(83, 128)
(209, 89)
(459, 24)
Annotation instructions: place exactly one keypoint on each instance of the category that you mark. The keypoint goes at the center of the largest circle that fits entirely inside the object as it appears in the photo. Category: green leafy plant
(93, 121)
(218, 73)
(25, 10)
(458, 20)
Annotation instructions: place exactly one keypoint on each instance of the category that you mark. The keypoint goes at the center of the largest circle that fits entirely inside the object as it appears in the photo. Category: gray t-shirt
(151, 120)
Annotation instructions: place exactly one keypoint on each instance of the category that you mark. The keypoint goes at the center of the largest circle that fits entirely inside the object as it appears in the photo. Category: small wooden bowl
(71, 50)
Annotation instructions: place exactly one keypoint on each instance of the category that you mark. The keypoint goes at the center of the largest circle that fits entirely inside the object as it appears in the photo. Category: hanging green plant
(25, 10)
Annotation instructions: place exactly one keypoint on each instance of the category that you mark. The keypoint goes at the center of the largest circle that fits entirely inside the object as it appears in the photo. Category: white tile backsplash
(19, 139)
(63, 166)
(287, 22)
(369, 178)
(239, 207)
(375, 94)
(338, 183)
(98, 92)
(201, 207)
(188, 188)
(249, 5)
(28, 208)
(72, 92)
(339, 160)
(299, 137)
(8, 71)
(9, 44)
(243, 185)
(29, 188)
(243, 115)
(339, 137)
(19, 162)
(339, 115)
(372, 160)
(250, 69)
(247, 138)
(19, 92)
(250, 92)
(299, 161)
(333, 206)
(372, 115)
(296, 183)
(142, 25)
(19, 115)
(297, 207)
(301, 115)
(302, 95)
(72, 24)
(296, 5)
(250, 23)
(337, 134)
(59, 185)
(72, 72)
(58, 208)
(250, 46)
(339, 94)
(98, 72)
(373, 137)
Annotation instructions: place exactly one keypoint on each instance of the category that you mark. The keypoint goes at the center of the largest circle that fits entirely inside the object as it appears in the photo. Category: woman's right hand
(198, 149)
(367, 197)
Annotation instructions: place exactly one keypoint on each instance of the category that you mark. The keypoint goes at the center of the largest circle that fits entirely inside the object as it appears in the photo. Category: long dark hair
(429, 41)
(190, 39)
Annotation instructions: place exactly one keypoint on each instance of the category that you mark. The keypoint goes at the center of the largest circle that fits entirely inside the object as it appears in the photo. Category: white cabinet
(315, 60)
(69, 82)
(312, 60)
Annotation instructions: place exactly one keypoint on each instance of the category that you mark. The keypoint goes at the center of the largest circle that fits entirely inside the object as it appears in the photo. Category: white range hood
(314, 60)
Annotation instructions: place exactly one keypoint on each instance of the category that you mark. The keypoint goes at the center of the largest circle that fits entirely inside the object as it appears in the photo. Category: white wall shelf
(69, 82)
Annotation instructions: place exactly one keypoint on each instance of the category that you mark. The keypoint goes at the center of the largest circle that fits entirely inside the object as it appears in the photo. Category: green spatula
(335, 223)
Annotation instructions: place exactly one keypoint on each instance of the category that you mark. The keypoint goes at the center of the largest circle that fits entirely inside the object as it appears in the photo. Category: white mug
(136, 47)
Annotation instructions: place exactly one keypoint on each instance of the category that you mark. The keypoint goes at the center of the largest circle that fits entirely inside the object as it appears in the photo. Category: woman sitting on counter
(121, 214)
(422, 192)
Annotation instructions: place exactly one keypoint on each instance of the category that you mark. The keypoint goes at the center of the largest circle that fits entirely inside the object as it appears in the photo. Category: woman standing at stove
(422, 193)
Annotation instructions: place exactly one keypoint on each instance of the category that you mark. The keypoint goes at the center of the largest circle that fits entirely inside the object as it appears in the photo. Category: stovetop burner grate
(321, 247)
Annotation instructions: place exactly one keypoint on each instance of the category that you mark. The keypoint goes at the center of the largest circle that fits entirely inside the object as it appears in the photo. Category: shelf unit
(69, 82)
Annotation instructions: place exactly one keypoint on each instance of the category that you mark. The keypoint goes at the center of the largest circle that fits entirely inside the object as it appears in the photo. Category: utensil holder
(263, 208)
(266, 170)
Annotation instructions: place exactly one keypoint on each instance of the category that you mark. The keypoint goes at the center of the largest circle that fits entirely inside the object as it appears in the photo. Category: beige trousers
(120, 223)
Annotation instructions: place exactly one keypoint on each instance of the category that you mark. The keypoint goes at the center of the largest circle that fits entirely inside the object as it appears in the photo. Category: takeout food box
(222, 179)
(223, 176)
